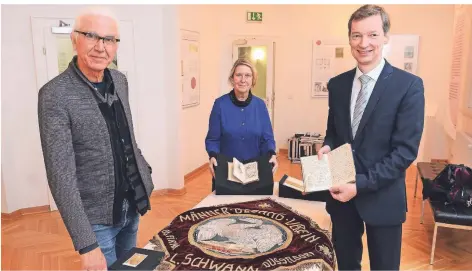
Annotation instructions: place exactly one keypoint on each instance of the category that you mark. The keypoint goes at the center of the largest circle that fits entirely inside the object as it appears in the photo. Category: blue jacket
(241, 131)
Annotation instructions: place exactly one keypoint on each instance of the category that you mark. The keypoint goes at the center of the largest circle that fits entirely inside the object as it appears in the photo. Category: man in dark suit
(379, 110)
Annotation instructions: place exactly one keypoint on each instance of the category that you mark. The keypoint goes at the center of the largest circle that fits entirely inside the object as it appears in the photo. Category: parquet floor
(41, 242)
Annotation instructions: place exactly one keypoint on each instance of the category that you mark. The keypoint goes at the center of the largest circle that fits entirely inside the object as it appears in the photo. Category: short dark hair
(367, 11)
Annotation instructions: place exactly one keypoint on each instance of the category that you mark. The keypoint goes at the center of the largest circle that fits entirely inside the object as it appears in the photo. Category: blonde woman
(239, 124)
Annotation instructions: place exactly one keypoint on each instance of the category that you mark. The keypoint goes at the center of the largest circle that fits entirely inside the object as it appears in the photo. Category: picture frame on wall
(190, 68)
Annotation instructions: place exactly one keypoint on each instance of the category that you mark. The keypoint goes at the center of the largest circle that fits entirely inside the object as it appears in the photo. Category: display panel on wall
(332, 56)
(190, 68)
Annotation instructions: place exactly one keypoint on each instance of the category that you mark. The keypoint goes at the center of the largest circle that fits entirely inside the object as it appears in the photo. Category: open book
(295, 184)
(335, 168)
(242, 173)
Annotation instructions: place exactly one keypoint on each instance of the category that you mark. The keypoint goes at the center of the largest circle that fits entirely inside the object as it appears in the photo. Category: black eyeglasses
(94, 37)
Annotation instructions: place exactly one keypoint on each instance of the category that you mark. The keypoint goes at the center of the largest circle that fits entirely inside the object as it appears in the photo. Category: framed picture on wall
(319, 90)
(190, 68)
(330, 58)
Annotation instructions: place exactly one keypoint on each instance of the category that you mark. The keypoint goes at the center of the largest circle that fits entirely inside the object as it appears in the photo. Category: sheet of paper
(238, 170)
(335, 168)
(251, 173)
(243, 173)
(341, 165)
(316, 173)
(231, 176)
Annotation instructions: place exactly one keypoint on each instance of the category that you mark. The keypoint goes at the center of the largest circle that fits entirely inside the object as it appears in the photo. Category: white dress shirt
(356, 86)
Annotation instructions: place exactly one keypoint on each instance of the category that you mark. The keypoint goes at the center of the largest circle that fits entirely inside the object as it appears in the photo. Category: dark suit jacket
(386, 142)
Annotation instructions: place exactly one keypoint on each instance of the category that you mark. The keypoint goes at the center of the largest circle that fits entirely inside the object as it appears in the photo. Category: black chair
(444, 215)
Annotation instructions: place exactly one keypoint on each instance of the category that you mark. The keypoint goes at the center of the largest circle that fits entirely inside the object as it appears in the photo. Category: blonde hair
(245, 62)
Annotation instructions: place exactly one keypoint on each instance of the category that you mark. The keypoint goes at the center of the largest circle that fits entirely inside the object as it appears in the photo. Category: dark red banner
(250, 236)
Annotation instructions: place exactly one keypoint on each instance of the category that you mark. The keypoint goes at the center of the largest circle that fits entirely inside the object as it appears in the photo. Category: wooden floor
(40, 241)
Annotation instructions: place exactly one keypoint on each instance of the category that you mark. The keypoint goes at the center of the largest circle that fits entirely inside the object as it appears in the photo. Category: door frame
(231, 39)
(39, 42)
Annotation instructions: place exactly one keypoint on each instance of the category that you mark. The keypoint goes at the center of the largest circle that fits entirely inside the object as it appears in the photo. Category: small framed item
(138, 259)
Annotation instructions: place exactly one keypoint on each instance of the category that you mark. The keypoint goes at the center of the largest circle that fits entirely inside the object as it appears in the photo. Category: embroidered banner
(250, 236)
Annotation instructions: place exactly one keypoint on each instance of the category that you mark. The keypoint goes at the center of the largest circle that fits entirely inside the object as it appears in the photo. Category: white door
(261, 53)
(53, 51)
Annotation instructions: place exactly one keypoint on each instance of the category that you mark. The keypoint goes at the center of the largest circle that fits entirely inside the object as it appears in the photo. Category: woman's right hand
(211, 164)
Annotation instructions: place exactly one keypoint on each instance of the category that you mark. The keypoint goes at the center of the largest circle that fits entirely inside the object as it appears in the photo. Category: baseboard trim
(442, 161)
(169, 192)
(191, 175)
(26, 211)
(283, 151)
(45, 208)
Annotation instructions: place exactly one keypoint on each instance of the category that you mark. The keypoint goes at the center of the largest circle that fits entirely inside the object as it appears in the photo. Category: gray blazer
(77, 151)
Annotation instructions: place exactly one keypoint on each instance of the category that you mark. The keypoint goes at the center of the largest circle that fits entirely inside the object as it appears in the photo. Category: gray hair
(367, 11)
(94, 10)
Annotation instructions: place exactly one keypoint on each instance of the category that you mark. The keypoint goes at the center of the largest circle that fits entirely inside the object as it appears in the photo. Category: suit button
(242, 109)
(242, 124)
(242, 138)
(353, 150)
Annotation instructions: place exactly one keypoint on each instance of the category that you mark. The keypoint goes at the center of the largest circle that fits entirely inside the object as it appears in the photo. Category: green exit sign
(254, 16)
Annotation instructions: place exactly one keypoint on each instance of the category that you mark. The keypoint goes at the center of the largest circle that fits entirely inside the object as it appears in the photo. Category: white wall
(4, 199)
(167, 131)
(295, 26)
(157, 86)
(444, 141)
(437, 144)
(200, 18)
(462, 150)
(171, 96)
(461, 146)
(465, 113)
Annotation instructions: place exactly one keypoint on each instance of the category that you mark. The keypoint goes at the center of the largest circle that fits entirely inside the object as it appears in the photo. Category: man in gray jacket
(98, 177)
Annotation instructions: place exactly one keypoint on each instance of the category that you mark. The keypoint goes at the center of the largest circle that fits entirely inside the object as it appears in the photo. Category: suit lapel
(117, 86)
(347, 101)
(118, 89)
(379, 88)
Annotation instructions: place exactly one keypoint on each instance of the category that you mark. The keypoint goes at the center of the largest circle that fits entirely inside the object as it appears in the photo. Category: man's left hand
(273, 160)
(343, 193)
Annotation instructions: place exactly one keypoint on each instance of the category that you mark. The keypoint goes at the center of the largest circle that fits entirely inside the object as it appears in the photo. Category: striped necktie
(361, 102)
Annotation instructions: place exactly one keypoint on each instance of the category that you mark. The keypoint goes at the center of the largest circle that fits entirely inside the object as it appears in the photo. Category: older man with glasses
(98, 176)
